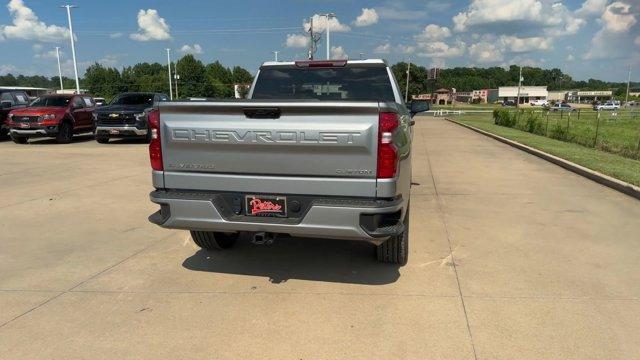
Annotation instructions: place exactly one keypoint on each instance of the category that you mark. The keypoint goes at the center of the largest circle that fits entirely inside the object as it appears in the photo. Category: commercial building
(526, 93)
(463, 96)
(557, 95)
(481, 95)
(589, 96)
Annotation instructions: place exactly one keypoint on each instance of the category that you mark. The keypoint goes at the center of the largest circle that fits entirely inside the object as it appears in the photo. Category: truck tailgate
(333, 140)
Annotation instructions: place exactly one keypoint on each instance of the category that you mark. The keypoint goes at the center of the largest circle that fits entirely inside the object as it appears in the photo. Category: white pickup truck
(320, 149)
(609, 105)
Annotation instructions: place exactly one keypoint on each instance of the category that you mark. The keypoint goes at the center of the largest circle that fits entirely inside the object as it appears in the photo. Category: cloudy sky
(586, 38)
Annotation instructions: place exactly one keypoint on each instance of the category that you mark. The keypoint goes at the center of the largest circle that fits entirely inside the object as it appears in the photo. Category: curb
(600, 178)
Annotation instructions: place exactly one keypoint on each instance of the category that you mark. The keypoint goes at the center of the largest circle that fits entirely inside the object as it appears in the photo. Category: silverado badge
(114, 115)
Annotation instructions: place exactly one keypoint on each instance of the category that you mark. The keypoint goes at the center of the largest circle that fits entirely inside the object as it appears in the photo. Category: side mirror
(418, 106)
(6, 104)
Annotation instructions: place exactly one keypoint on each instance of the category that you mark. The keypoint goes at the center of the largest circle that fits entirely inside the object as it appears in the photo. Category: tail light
(387, 153)
(155, 148)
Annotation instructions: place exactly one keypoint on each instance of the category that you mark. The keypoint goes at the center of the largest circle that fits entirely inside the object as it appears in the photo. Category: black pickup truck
(10, 100)
(126, 116)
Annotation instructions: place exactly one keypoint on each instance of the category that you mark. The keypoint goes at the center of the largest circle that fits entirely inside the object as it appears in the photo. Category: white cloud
(406, 49)
(8, 69)
(51, 54)
(397, 11)
(439, 49)
(320, 24)
(433, 32)
(570, 58)
(508, 17)
(27, 26)
(613, 39)
(297, 41)
(337, 52)
(592, 7)
(383, 49)
(116, 35)
(36, 47)
(151, 27)
(191, 49)
(637, 41)
(486, 52)
(520, 45)
(367, 18)
(618, 17)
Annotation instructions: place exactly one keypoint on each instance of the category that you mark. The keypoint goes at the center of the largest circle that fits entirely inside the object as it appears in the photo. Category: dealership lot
(510, 257)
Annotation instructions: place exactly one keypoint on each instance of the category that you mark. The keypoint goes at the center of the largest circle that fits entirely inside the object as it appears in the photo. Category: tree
(192, 77)
(241, 75)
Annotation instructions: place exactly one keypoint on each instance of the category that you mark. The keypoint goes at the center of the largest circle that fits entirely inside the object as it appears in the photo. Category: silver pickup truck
(320, 149)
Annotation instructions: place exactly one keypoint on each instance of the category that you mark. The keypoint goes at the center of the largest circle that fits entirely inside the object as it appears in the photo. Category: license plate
(259, 205)
(25, 125)
(114, 131)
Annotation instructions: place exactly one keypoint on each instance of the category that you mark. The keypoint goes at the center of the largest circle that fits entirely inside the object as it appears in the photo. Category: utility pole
(59, 68)
(519, 85)
(276, 55)
(73, 46)
(176, 77)
(329, 16)
(626, 97)
(169, 68)
(314, 38)
(406, 92)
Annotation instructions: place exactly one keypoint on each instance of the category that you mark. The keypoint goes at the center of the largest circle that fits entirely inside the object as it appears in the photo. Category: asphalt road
(511, 258)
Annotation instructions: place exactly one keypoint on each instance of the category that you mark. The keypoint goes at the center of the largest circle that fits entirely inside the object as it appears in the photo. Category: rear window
(134, 99)
(344, 83)
(55, 101)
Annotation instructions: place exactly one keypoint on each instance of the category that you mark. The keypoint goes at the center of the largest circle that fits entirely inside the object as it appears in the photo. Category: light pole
(406, 92)
(169, 68)
(519, 85)
(329, 16)
(73, 46)
(176, 77)
(276, 55)
(59, 68)
(626, 96)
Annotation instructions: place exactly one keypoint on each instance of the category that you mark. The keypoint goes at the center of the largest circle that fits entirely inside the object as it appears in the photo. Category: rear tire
(396, 249)
(19, 139)
(65, 133)
(102, 140)
(210, 240)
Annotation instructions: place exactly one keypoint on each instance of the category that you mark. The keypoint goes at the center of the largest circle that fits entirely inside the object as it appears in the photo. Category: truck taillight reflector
(387, 153)
(155, 148)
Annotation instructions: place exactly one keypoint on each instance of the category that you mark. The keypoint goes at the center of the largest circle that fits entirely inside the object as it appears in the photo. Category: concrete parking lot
(510, 258)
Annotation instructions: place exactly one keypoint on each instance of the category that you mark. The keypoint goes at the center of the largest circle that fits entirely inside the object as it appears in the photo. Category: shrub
(504, 117)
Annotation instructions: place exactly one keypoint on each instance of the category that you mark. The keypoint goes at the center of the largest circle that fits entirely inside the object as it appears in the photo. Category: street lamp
(73, 46)
(328, 16)
(169, 68)
(176, 77)
(59, 68)
(276, 55)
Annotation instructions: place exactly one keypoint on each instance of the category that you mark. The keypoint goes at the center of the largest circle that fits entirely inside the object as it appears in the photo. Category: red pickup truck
(57, 116)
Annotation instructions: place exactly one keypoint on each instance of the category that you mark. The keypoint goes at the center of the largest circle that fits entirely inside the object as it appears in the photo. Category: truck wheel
(102, 139)
(396, 249)
(65, 133)
(210, 240)
(19, 139)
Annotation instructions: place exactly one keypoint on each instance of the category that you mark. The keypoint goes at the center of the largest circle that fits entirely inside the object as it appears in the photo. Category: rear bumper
(322, 217)
(123, 131)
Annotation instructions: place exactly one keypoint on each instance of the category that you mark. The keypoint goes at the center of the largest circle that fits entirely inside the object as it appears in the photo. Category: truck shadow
(303, 259)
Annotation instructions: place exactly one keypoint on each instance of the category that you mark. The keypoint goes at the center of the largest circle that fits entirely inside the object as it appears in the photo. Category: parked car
(539, 102)
(609, 105)
(10, 100)
(58, 116)
(320, 149)
(561, 107)
(508, 103)
(126, 116)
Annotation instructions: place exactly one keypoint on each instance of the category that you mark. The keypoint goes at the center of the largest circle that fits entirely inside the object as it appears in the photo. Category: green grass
(617, 166)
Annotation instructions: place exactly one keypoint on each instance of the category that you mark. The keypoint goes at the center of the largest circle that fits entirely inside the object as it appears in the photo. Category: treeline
(196, 79)
(215, 80)
(468, 79)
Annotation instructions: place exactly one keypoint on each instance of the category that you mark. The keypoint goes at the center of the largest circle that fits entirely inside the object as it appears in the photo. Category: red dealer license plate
(259, 205)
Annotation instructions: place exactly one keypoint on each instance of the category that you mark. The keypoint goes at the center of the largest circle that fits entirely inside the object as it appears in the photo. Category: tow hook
(263, 238)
